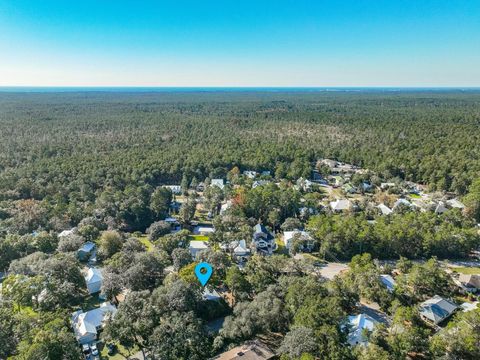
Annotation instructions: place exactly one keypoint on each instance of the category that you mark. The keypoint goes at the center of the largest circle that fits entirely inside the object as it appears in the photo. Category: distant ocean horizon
(146, 89)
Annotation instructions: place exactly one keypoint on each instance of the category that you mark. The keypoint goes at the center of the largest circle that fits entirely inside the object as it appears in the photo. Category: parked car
(94, 349)
(111, 349)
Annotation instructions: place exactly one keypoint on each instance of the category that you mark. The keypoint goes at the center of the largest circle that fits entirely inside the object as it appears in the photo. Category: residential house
(250, 174)
(204, 230)
(238, 249)
(197, 246)
(388, 281)
(470, 282)
(466, 306)
(94, 279)
(263, 241)
(241, 253)
(455, 203)
(386, 185)
(436, 309)
(259, 183)
(86, 325)
(86, 251)
(224, 208)
(358, 326)
(289, 236)
(218, 183)
(66, 233)
(402, 203)
(349, 188)
(440, 208)
(304, 184)
(175, 189)
(211, 295)
(248, 351)
(341, 205)
(384, 209)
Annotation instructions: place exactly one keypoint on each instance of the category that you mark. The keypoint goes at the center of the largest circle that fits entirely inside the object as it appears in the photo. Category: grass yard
(467, 270)
(198, 237)
(281, 249)
(414, 196)
(148, 244)
(121, 353)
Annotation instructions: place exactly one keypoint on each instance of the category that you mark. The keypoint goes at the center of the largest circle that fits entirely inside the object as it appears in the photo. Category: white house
(87, 324)
(358, 324)
(66, 233)
(288, 237)
(211, 295)
(218, 183)
(401, 202)
(384, 209)
(175, 189)
(203, 230)
(224, 208)
(196, 246)
(250, 174)
(94, 279)
(341, 205)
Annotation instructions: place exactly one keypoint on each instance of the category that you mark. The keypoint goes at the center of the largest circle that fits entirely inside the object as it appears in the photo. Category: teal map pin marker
(204, 272)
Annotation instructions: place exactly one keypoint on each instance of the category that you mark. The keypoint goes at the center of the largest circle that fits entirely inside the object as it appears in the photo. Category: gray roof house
(86, 251)
(436, 309)
(263, 241)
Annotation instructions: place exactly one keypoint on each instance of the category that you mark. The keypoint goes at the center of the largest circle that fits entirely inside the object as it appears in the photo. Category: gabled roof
(341, 204)
(261, 229)
(455, 203)
(87, 247)
(384, 209)
(93, 275)
(198, 245)
(471, 280)
(402, 202)
(359, 323)
(441, 208)
(388, 281)
(437, 309)
(217, 182)
(289, 235)
(241, 249)
(85, 323)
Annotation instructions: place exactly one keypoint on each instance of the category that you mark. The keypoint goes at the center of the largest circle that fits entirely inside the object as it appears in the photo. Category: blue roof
(87, 247)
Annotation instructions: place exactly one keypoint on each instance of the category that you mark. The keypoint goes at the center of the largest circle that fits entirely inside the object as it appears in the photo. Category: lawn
(415, 196)
(467, 270)
(148, 244)
(121, 353)
(198, 237)
(281, 249)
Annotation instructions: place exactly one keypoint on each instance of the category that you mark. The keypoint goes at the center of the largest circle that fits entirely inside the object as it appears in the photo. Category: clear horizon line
(250, 86)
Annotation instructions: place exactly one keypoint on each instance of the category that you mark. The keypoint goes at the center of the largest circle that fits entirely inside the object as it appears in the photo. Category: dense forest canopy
(70, 149)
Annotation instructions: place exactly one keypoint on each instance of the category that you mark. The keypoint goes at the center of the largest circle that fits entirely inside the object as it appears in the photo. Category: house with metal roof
(436, 309)
(86, 325)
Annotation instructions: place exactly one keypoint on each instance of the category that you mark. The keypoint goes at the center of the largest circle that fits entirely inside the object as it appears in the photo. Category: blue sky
(240, 43)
